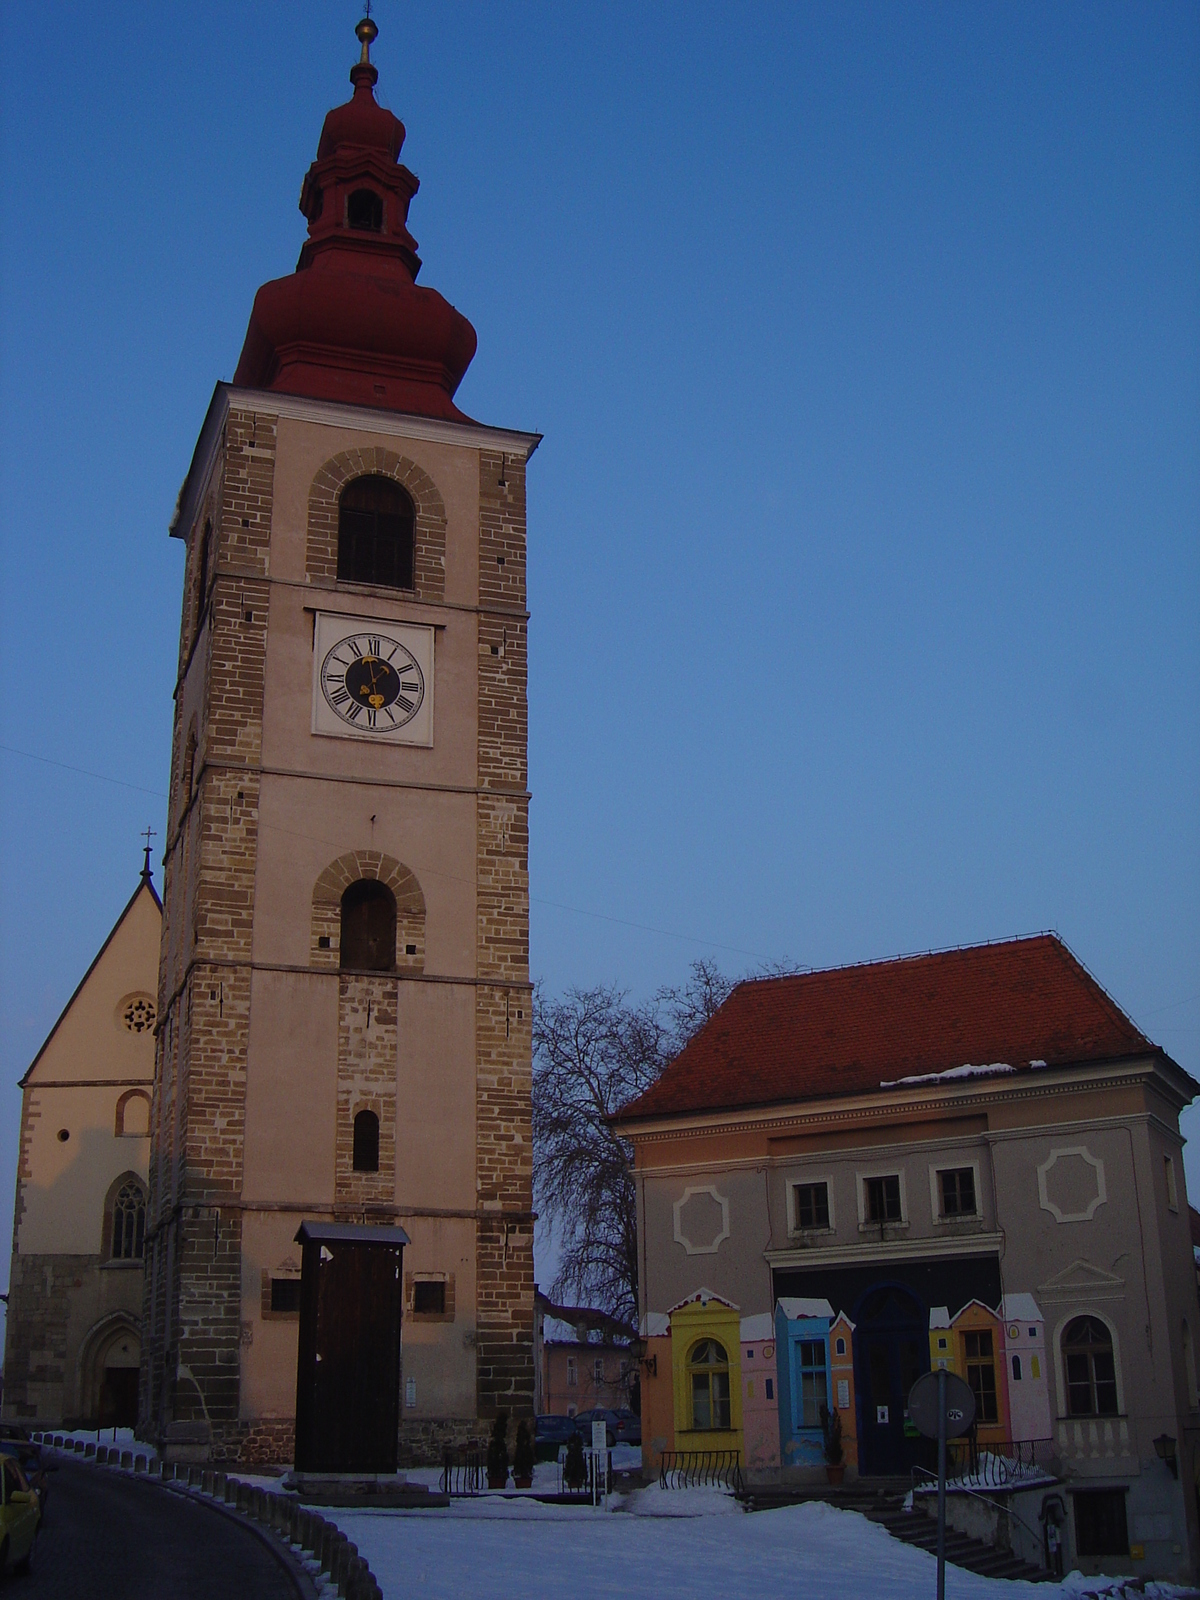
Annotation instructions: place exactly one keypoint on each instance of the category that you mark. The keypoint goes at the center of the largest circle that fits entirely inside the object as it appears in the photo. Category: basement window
(429, 1297)
(285, 1294)
(1100, 1526)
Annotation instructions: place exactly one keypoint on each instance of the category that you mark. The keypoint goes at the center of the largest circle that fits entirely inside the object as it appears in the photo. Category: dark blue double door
(891, 1351)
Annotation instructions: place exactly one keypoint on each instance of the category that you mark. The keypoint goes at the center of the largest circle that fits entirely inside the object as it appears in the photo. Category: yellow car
(20, 1517)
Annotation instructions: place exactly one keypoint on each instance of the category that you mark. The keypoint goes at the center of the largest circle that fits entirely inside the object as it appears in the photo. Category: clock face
(373, 682)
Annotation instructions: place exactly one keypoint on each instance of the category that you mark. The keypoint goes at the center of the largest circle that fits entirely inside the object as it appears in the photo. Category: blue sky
(863, 540)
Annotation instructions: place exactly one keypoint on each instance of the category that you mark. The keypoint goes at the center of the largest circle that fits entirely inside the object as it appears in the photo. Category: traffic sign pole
(941, 1438)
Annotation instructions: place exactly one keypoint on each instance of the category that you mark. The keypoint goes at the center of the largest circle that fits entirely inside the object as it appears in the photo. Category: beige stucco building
(969, 1159)
(344, 985)
(75, 1289)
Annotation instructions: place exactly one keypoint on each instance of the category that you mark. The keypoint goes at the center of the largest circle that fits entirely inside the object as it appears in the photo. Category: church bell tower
(344, 999)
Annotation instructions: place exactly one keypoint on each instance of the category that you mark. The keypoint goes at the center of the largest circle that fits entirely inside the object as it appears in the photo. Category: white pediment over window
(1082, 1281)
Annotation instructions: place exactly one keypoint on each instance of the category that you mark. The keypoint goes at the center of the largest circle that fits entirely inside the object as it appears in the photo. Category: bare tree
(593, 1052)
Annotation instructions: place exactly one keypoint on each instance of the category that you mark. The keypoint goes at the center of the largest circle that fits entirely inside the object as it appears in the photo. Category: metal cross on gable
(148, 833)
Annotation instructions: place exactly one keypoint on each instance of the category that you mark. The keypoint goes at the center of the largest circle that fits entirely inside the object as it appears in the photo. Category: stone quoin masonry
(295, 810)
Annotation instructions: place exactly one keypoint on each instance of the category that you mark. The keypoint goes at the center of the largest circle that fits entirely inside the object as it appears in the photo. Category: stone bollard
(77, 1446)
(329, 1538)
(218, 1485)
(231, 1491)
(139, 1463)
(206, 1481)
(243, 1498)
(127, 1458)
(101, 1454)
(89, 1449)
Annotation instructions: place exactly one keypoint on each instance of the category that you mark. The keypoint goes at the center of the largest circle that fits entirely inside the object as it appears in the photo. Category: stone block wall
(504, 1151)
(192, 1300)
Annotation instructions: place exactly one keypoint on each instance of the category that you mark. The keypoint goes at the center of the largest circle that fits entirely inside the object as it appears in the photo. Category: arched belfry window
(129, 1222)
(375, 533)
(1091, 1371)
(366, 1142)
(364, 211)
(368, 937)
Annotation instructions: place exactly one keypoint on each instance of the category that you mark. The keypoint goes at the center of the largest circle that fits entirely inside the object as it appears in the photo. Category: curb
(319, 1557)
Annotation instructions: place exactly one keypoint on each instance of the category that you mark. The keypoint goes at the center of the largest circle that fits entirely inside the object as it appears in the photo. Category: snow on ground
(661, 1545)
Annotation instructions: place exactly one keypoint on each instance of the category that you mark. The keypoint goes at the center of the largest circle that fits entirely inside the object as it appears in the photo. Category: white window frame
(860, 1183)
(798, 1179)
(935, 1190)
(1060, 1366)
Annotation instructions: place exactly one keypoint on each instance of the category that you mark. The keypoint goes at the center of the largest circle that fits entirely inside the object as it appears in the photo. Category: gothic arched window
(366, 1142)
(129, 1222)
(368, 938)
(375, 533)
(364, 210)
(1091, 1372)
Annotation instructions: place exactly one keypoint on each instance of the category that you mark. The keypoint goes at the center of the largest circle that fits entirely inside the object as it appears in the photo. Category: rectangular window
(572, 1373)
(813, 1391)
(958, 1192)
(598, 1369)
(883, 1199)
(429, 1297)
(981, 1373)
(770, 1385)
(812, 1205)
(285, 1294)
(1172, 1189)
(1100, 1527)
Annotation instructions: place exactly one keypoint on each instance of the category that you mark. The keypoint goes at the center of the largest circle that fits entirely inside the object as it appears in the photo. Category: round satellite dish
(923, 1405)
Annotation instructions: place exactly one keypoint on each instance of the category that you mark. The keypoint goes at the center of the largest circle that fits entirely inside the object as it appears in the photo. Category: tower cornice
(330, 414)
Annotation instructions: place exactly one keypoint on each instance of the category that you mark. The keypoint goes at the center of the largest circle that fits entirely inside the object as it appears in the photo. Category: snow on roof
(794, 1309)
(704, 1296)
(967, 1070)
(758, 1327)
(939, 1316)
(655, 1325)
(1019, 1308)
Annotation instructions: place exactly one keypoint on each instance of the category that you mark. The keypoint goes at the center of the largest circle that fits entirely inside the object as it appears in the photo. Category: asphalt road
(107, 1536)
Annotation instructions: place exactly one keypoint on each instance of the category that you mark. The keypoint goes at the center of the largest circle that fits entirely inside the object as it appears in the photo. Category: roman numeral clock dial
(373, 681)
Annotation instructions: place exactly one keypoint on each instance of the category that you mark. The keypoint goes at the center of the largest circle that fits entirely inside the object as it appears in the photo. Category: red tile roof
(856, 1029)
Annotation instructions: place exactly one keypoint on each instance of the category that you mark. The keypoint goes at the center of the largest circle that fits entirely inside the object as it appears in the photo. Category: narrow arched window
(1016, 1369)
(202, 569)
(368, 938)
(375, 533)
(366, 1142)
(708, 1380)
(364, 210)
(129, 1223)
(1091, 1372)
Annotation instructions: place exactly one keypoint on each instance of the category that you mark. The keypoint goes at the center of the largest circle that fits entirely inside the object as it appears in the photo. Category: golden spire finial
(367, 32)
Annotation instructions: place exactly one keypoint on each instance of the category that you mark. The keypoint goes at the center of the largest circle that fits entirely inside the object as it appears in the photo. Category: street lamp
(1164, 1447)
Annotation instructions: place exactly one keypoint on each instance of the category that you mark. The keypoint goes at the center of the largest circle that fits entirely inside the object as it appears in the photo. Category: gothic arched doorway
(891, 1351)
(112, 1358)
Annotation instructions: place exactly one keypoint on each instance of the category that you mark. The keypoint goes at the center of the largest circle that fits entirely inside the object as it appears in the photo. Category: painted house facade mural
(972, 1159)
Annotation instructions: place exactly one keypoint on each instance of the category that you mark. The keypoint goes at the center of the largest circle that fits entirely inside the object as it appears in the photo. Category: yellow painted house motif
(706, 1373)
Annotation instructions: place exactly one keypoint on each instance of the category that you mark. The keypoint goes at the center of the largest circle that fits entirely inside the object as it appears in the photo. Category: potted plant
(574, 1467)
(497, 1452)
(831, 1428)
(523, 1458)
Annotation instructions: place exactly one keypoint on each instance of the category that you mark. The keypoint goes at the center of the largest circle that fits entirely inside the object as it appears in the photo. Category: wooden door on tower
(348, 1363)
(891, 1351)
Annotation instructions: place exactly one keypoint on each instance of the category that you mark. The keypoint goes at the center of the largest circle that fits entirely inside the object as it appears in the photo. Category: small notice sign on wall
(843, 1386)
